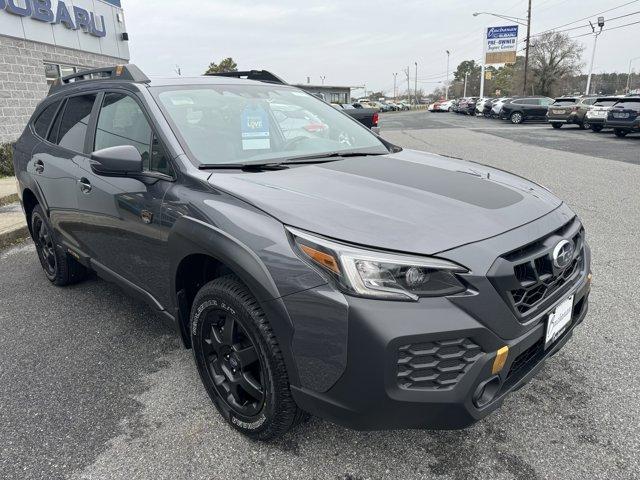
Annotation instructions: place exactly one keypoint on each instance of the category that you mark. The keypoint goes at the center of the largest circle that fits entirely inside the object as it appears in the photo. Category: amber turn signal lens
(501, 359)
(324, 259)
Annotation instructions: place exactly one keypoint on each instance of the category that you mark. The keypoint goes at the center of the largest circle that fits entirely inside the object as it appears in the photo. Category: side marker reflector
(501, 359)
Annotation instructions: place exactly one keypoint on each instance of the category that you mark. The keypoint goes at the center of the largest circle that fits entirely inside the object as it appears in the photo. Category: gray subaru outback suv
(313, 267)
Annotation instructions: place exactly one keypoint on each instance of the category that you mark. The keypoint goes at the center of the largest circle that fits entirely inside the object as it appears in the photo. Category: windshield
(245, 124)
(564, 102)
(605, 103)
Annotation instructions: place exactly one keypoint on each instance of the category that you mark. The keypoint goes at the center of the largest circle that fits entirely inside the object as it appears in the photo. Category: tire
(243, 371)
(620, 133)
(516, 118)
(584, 125)
(556, 125)
(596, 128)
(59, 267)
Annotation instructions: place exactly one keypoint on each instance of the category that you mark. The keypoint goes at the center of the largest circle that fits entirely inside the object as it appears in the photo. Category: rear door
(54, 162)
(121, 217)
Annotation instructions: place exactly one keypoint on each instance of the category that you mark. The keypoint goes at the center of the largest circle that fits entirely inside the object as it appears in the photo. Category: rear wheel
(584, 125)
(516, 118)
(556, 125)
(596, 128)
(620, 132)
(59, 267)
(240, 362)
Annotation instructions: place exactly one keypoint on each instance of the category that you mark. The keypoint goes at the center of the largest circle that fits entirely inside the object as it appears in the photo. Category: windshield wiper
(329, 156)
(281, 165)
(244, 166)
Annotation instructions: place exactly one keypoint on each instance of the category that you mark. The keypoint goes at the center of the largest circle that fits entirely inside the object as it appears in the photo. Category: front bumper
(370, 395)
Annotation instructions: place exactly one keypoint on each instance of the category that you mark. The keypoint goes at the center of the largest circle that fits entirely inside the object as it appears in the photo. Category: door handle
(85, 185)
(39, 166)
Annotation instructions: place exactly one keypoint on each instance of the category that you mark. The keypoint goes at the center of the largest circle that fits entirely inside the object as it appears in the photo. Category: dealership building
(42, 40)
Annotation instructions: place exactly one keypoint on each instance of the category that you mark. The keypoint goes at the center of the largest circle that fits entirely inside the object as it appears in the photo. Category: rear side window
(72, 128)
(42, 123)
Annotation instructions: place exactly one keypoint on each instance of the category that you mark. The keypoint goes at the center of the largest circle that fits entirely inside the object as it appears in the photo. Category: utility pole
(446, 95)
(415, 89)
(322, 77)
(593, 54)
(629, 75)
(526, 55)
(395, 95)
(408, 74)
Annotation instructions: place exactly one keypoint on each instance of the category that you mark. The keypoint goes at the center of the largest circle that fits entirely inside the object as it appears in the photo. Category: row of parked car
(620, 113)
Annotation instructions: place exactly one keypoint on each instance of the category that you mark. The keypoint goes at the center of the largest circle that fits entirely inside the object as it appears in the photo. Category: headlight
(373, 274)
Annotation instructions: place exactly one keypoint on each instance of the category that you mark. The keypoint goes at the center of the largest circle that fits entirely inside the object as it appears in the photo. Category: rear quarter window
(43, 121)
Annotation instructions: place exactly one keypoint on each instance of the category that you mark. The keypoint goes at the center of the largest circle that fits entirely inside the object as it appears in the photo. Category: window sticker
(255, 129)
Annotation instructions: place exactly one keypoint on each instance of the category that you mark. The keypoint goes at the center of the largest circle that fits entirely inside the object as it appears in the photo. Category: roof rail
(128, 72)
(258, 75)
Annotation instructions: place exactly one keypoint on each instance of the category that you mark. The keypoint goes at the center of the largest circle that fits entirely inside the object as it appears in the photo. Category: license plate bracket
(558, 321)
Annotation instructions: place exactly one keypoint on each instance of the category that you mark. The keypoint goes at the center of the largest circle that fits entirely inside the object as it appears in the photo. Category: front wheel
(620, 132)
(556, 125)
(59, 267)
(240, 362)
(596, 128)
(584, 125)
(516, 118)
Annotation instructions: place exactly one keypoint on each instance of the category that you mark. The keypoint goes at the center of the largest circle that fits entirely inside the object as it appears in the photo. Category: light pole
(593, 54)
(322, 77)
(466, 75)
(415, 86)
(395, 76)
(520, 21)
(446, 94)
(629, 74)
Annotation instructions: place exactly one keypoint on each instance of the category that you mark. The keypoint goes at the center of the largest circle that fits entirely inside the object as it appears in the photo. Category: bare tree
(554, 56)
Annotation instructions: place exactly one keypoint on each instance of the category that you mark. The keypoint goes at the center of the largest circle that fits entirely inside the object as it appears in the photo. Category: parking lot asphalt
(537, 133)
(94, 385)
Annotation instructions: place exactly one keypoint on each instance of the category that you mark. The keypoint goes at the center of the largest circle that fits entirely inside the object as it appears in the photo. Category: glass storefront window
(54, 71)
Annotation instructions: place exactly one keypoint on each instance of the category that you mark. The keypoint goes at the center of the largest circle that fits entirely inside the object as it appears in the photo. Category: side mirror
(120, 160)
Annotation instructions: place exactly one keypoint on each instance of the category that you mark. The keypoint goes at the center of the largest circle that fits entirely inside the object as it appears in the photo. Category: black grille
(528, 358)
(435, 365)
(527, 277)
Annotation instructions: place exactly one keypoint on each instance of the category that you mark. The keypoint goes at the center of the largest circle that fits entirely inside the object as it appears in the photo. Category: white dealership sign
(501, 44)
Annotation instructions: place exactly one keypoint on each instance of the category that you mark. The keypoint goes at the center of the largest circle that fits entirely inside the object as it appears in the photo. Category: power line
(607, 29)
(588, 17)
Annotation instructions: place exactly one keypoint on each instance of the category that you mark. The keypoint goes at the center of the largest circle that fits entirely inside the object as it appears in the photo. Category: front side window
(72, 129)
(122, 122)
(222, 124)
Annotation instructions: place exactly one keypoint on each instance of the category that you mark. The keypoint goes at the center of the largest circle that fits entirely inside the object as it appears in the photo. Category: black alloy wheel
(233, 363)
(59, 267)
(516, 118)
(43, 239)
(620, 133)
(240, 362)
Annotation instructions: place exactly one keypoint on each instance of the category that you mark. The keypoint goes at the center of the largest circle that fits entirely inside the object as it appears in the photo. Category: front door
(121, 216)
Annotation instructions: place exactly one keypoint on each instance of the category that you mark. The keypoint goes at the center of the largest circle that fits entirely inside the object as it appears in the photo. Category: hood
(408, 201)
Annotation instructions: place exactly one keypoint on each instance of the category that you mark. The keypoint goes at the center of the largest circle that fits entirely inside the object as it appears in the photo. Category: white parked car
(495, 110)
(597, 113)
(445, 106)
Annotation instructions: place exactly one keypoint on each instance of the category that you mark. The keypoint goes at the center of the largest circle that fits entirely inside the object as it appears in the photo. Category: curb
(13, 236)
(9, 199)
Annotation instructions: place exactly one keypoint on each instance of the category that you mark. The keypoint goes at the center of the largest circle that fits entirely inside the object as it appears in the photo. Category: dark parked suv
(310, 265)
(522, 109)
(624, 116)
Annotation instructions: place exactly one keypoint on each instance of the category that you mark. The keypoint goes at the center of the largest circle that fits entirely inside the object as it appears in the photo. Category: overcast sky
(353, 42)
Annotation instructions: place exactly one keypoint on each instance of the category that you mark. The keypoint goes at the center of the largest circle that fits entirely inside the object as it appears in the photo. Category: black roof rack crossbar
(258, 75)
(128, 72)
